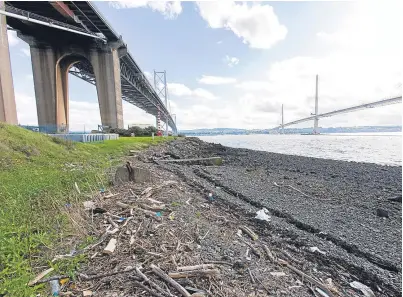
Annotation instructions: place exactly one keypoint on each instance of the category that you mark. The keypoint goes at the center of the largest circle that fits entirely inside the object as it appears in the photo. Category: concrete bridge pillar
(50, 67)
(106, 68)
(8, 110)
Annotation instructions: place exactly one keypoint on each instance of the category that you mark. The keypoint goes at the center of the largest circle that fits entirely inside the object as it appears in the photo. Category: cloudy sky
(232, 64)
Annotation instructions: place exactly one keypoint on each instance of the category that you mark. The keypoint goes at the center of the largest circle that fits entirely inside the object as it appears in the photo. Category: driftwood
(151, 283)
(137, 283)
(153, 207)
(269, 253)
(148, 212)
(307, 277)
(248, 231)
(196, 267)
(87, 278)
(254, 250)
(40, 276)
(195, 161)
(169, 280)
(194, 273)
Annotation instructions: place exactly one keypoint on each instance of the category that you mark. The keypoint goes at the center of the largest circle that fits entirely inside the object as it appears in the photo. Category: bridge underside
(102, 61)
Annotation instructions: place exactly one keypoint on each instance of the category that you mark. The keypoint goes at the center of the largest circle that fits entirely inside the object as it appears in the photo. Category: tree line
(137, 131)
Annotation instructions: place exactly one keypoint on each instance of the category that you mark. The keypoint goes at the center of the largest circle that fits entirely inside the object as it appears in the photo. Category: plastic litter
(314, 249)
(262, 215)
(88, 205)
(321, 292)
(158, 214)
(210, 197)
(54, 287)
(102, 190)
(363, 288)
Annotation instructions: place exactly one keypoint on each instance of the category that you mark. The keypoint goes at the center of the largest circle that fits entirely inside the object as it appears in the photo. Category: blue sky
(232, 64)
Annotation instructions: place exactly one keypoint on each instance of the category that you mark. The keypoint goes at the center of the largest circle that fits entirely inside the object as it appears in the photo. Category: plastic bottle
(54, 287)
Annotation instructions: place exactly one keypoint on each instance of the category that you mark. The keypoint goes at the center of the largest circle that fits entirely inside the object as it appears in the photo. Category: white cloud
(26, 52)
(254, 85)
(219, 42)
(216, 80)
(170, 9)
(231, 61)
(181, 90)
(12, 38)
(256, 24)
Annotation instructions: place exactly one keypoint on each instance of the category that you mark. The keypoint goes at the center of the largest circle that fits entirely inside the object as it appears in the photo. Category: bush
(136, 130)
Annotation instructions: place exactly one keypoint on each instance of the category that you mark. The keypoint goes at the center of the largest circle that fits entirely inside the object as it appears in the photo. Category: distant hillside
(234, 131)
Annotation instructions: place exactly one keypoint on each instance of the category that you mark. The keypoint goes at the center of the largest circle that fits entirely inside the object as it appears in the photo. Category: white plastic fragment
(88, 205)
(277, 273)
(262, 215)
(363, 288)
(314, 249)
(110, 248)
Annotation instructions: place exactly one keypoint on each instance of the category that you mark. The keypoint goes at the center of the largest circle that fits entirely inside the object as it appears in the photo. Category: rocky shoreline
(175, 225)
(346, 209)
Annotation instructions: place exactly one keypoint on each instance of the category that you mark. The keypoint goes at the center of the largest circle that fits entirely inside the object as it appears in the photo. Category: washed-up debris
(277, 273)
(363, 288)
(87, 293)
(40, 276)
(321, 292)
(248, 231)
(54, 287)
(315, 249)
(88, 205)
(110, 248)
(262, 215)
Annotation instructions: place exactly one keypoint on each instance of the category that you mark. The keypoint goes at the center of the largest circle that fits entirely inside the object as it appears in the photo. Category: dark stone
(382, 213)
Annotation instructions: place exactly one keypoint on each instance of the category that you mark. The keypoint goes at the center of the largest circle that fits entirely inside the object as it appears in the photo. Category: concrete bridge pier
(51, 66)
(8, 110)
(107, 75)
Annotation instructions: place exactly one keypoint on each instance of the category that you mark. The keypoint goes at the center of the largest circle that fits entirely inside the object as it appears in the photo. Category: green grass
(37, 177)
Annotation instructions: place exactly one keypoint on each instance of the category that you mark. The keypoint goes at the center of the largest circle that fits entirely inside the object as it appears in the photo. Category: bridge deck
(136, 89)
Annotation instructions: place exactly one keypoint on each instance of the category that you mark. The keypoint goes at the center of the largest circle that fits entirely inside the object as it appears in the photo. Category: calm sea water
(380, 148)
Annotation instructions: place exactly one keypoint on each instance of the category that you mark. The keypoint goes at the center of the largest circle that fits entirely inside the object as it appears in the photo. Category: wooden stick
(87, 278)
(147, 289)
(40, 276)
(196, 267)
(151, 283)
(299, 191)
(248, 231)
(113, 223)
(169, 280)
(269, 254)
(307, 277)
(153, 207)
(45, 280)
(194, 273)
(254, 250)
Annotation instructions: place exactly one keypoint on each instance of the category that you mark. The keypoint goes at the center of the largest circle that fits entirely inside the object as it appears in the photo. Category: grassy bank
(37, 177)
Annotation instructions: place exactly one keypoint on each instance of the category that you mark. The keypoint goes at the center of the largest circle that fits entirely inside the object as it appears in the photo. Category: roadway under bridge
(73, 37)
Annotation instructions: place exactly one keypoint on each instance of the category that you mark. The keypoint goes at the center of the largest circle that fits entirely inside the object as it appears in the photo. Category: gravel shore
(343, 208)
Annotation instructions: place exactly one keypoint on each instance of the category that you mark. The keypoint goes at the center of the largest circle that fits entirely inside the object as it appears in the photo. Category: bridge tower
(316, 120)
(160, 86)
(8, 111)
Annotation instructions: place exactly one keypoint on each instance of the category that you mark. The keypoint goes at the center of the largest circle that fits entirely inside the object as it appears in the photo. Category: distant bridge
(384, 102)
(316, 116)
